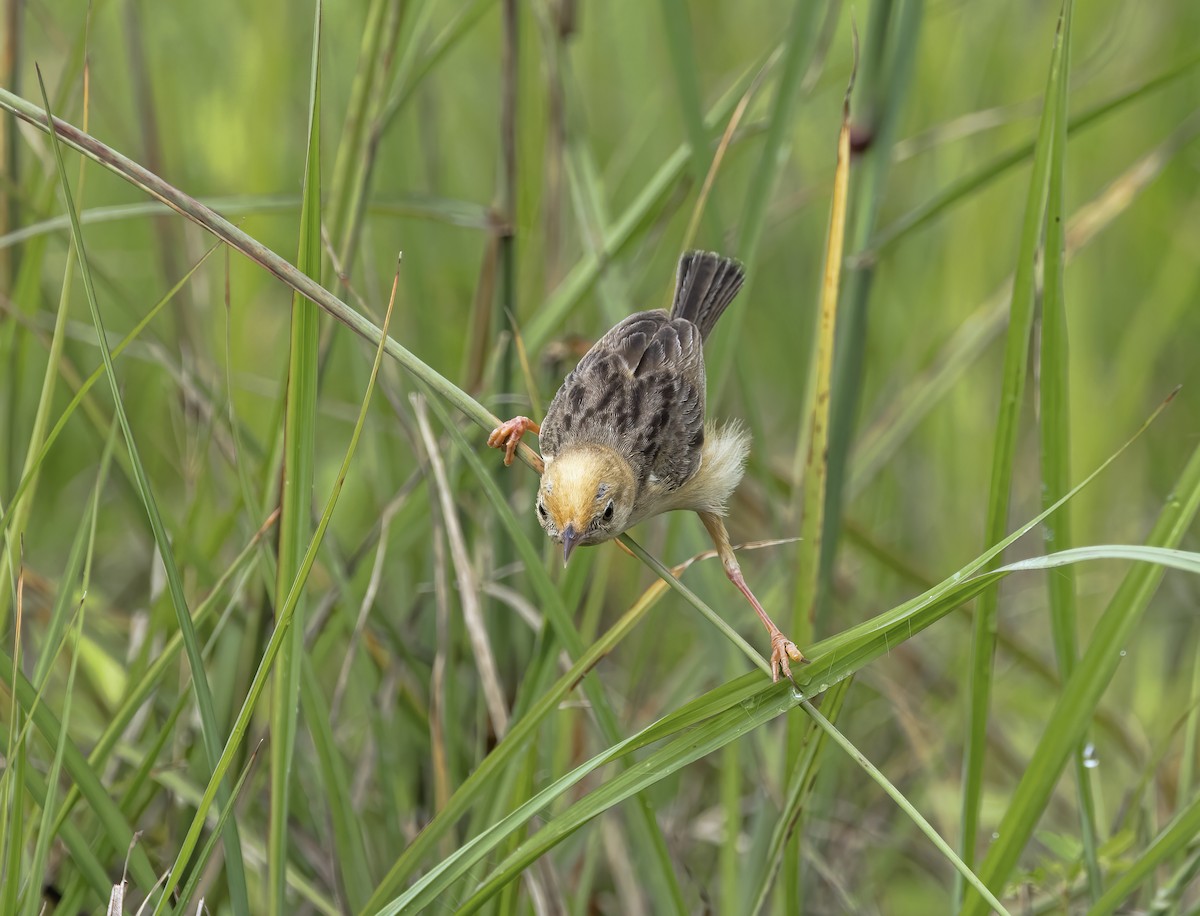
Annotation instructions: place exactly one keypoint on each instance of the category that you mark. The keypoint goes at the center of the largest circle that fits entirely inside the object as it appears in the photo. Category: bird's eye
(608, 511)
(541, 509)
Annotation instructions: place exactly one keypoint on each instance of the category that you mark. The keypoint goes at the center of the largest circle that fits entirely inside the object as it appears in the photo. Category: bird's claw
(508, 436)
(783, 649)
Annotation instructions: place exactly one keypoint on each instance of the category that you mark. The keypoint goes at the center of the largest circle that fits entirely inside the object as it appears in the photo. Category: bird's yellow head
(586, 496)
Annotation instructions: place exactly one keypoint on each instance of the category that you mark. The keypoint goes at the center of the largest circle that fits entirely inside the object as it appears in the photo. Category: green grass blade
(678, 28)
(797, 48)
(1012, 389)
(295, 501)
(1055, 427)
(46, 831)
(355, 127)
(37, 870)
(1179, 835)
(210, 845)
(1082, 692)
(233, 857)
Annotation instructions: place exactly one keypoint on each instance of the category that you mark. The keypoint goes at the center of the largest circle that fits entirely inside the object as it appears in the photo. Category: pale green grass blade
(1012, 389)
(284, 620)
(357, 154)
(233, 858)
(963, 188)
(355, 125)
(1073, 712)
(1055, 427)
(421, 59)
(16, 756)
(295, 501)
(463, 213)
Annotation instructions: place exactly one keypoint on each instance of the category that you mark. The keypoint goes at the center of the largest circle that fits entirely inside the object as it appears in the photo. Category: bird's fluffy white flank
(722, 462)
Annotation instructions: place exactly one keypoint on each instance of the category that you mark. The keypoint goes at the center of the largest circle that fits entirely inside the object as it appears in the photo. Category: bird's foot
(508, 436)
(783, 650)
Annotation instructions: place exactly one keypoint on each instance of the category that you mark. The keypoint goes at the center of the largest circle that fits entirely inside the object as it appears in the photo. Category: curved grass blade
(905, 805)
(832, 660)
(962, 189)
(716, 731)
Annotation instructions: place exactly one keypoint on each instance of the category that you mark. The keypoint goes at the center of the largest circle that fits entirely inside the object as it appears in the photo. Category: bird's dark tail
(704, 287)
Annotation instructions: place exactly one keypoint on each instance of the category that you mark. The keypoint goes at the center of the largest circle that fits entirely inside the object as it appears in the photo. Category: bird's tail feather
(704, 287)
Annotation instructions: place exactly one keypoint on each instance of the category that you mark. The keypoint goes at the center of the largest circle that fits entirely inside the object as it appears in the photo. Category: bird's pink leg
(508, 435)
(782, 648)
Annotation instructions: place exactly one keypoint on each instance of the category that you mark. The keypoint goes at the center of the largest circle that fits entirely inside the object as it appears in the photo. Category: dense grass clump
(278, 633)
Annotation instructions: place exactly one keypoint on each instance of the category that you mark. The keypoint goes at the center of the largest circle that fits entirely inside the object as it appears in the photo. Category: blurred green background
(213, 97)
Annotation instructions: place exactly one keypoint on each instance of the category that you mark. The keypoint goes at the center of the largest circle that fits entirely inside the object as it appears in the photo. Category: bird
(625, 438)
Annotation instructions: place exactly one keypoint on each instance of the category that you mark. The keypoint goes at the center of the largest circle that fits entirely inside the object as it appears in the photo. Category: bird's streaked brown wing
(640, 390)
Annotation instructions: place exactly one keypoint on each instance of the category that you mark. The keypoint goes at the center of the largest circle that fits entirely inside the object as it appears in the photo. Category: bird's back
(640, 388)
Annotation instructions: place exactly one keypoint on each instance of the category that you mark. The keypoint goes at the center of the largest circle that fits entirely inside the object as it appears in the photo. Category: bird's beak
(570, 537)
